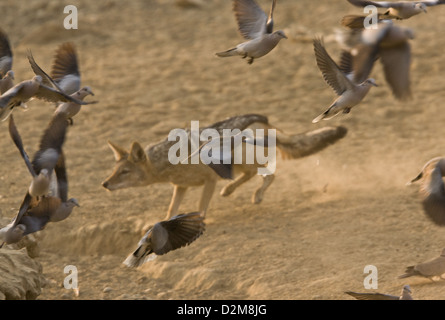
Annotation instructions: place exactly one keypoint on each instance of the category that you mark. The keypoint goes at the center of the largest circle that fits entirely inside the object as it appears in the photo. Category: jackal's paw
(257, 197)
(227, 190)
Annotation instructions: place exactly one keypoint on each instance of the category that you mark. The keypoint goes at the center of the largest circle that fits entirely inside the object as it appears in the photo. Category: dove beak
(75, 202)
(415, 179)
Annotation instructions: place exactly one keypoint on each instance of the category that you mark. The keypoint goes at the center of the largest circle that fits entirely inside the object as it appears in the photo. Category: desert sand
(152, 67)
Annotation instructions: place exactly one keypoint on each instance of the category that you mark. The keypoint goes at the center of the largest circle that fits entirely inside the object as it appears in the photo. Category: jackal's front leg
(178, 195)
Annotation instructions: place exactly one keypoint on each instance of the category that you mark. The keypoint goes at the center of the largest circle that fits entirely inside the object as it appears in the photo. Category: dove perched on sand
(429, 269)
(405, 295)
(350, 93)
(399, 9)
(432, 189)
(257, 28)
(165, 236)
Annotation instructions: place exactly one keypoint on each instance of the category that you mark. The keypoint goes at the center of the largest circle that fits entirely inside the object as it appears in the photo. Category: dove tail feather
(139, 257)
(229, 53)
(409, 272)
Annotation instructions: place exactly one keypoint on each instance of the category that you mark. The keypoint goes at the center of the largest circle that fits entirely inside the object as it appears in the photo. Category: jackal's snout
(105, 184)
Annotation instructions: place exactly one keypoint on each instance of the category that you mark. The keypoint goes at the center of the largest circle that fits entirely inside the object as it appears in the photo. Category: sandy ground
(152, 66)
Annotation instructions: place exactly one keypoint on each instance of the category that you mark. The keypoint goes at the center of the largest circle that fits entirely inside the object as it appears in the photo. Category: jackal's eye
(125, 171)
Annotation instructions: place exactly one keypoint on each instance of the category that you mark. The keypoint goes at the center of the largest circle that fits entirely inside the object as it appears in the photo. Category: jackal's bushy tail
(308, 143)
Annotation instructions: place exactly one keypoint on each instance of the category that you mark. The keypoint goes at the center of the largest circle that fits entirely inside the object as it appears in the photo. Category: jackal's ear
(119, 152)
(137, 153)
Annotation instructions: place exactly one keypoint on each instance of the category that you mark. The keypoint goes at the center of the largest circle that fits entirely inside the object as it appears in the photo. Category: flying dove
(37, 210)
(165, 236)
(354, 21)
(65, 68)
(429, 269)
(255, 26)
(405, 295)
(350, 94)
(47, 156)
(432, 189)
(28, 90)
(34, 215)
(399, 9)
(388, 43)
(66, 206)
(65, 77)
(6, 74)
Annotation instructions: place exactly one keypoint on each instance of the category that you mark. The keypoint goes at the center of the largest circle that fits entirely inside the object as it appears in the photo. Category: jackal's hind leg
(229, 188)
(259, 193)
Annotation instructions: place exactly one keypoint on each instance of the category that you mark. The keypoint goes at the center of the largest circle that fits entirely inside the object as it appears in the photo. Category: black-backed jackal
(142, 167)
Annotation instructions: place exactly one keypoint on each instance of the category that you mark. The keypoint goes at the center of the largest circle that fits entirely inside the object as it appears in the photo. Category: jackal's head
(132, 169)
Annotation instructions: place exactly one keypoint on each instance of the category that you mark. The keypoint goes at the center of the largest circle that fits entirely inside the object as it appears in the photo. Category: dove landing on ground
(34, 215)
(165, 236)
(405, 295)
(399, 9)
(350, 94)
(432, 190)
(255, 26)
(12, 234)
(429, 269)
